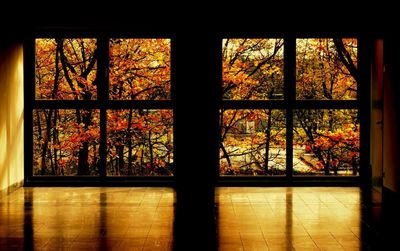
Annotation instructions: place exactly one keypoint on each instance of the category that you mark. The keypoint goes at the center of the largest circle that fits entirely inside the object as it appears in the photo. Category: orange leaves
(146, 134)
(248, 141)
(74, 67)
(140, 69)
(252, 68)
(330, 137)
(321, 72)
(66, 137)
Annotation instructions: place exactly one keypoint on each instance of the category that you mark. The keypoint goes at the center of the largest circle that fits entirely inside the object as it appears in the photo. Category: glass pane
(66, 68)
(65, 142)
(252, 142)
(140, 69)
(326, 69)
(326, 142)
(252, 69)
(139, 142)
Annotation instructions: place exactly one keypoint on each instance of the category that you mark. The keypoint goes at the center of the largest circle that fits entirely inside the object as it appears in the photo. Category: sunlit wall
(11, 116)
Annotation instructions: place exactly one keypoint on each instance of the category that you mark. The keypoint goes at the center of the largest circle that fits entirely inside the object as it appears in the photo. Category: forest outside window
(255, 130)
(70, 108)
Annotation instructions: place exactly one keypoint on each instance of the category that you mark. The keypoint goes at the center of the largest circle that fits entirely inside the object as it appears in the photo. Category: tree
(252, 69)
(140, 69)
(325, 141)
(327, 70)
(66, 141)
(252, 142)
(148, 137)
(65, 69)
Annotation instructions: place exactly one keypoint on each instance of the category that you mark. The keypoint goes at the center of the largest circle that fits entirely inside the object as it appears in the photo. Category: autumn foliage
(67, 141)
(139, 140)
(252, 69)
(325, 142)
(326, 69)
(140, 69)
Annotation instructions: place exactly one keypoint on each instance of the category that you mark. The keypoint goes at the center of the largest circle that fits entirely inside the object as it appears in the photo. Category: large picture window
(102, 107)
(289, 107)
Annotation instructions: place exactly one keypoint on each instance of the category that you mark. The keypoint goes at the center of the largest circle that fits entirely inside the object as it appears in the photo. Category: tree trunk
(46, 140)
(268, 134)
(226, 155)
(129, 138)
(329, 161)
(354, 165)
(83, 164)
(141, 162)
(151, 153)
(55, 137)
(120, 160)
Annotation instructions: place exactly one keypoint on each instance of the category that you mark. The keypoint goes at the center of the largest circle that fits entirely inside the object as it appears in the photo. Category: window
(289, 107)
(102, 108)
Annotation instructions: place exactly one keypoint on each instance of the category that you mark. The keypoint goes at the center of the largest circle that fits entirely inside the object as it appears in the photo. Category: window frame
(289, 103)
(179, 101)
(102, 103)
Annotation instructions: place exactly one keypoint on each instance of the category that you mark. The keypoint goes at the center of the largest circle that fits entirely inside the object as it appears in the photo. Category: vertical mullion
(102, 87)
(173, 104)
(290, 96)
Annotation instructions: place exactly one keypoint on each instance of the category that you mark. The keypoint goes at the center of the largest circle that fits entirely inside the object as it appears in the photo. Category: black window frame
(211, 57)
(102, 103)
(289, 104)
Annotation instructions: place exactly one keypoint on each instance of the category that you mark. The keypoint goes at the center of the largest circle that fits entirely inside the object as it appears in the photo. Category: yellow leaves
(318, 64)
(146, 60)
(242, 75)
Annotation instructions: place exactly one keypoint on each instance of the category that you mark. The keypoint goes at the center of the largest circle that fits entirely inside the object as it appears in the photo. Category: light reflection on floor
(87, 219)
(270, 218)
(314, 218)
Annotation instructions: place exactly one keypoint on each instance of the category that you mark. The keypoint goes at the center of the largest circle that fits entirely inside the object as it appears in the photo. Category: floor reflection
(289, 218)
(87, 219)
(269, 218)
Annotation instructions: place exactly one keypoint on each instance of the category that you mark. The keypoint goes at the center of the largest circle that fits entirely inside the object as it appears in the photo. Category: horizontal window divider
(283, 180)
(49, 178)
(256, 104)
(97, 104)
(65, 32)
(145, 182)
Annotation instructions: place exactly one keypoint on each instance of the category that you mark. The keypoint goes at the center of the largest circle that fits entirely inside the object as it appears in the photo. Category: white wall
(11, 116)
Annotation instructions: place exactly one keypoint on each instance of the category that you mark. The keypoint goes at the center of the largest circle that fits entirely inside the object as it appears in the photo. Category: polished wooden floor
(314, 218)
(87, 219)
(289, 218)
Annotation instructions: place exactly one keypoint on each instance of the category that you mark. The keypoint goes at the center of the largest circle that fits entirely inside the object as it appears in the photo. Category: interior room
(124, 133)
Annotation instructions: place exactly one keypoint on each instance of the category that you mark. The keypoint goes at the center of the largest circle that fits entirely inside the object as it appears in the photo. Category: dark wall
(391, 115)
